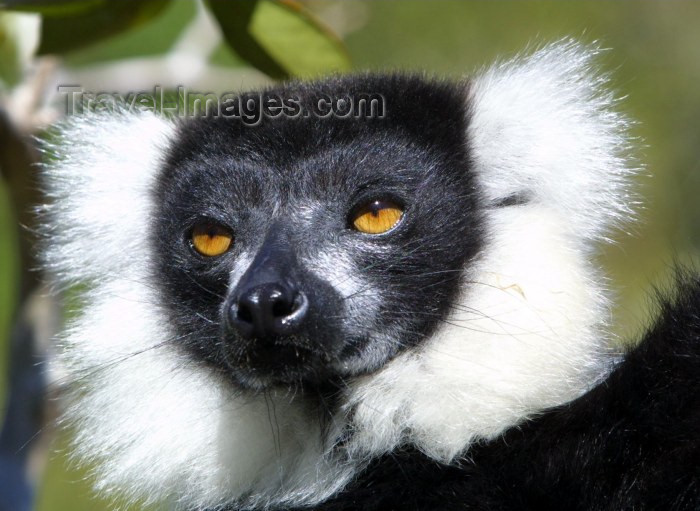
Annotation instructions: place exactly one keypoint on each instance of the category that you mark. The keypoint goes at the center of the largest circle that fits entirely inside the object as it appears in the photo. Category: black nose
(269, 309)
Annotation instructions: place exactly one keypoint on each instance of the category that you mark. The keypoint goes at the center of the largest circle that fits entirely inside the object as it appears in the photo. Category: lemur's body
(282, 314)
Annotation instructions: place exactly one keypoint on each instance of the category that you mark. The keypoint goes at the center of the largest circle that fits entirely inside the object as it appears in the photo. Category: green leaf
(296, 39)
(10, 65)
(234, 18)
(156, 37)
(280, 37)
(61, 33)
(18, 33)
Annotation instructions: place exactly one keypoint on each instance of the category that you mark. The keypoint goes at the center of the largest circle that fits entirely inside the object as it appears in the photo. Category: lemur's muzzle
(277, 321)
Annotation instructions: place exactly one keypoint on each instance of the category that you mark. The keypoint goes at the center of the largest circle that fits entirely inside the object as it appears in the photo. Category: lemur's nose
(269, 309)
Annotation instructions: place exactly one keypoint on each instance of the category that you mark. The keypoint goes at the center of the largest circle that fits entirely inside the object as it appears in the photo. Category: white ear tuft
(544, 128)
(99, 173)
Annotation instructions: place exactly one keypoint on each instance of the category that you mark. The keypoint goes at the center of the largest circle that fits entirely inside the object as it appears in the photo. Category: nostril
(244, 314)
(294, 314)
(282, 308)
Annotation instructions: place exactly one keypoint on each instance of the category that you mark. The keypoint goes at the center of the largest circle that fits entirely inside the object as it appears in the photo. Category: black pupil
(209, 230)
(376, 207)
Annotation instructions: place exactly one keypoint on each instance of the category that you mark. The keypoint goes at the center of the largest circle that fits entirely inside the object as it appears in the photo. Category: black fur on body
(631, 443)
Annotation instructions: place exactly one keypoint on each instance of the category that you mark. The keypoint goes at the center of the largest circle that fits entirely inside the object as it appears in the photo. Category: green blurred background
(654, 58)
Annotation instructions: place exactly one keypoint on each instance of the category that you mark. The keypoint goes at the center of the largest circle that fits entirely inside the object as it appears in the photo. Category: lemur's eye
(210, 239)
(377, 217)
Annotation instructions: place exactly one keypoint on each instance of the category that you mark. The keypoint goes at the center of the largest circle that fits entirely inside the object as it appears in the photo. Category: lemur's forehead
(424, 112)
(329, 174)
(414, 134)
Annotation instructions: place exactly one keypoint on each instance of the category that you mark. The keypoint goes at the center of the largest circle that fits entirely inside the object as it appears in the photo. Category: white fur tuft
(546, 127)
(98, 185)
(527, 333)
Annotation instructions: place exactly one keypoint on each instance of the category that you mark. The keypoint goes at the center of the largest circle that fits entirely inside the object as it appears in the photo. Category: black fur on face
(301, 296)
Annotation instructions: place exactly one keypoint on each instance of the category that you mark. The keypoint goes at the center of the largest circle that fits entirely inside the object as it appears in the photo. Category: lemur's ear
(98, 173)
(544, 128)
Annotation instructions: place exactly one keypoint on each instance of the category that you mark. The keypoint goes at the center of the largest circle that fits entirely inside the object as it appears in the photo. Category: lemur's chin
(279, 362)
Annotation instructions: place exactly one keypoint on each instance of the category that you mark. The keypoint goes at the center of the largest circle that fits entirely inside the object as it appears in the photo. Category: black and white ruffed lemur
(394, 310)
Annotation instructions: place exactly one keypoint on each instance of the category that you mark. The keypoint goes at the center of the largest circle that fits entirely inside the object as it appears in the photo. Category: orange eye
(210, 239)
(377, 217)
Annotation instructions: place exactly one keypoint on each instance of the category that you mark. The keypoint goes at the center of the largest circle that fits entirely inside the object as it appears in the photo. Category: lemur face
(305, 250)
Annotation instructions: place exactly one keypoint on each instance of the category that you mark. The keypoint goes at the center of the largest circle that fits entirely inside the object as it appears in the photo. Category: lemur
(395, 311)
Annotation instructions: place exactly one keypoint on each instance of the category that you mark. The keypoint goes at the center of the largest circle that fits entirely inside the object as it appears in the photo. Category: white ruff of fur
(527, 334)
